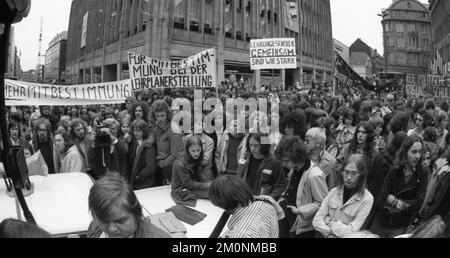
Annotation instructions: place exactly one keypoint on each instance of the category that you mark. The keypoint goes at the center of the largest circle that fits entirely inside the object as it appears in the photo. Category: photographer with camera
(108, 154)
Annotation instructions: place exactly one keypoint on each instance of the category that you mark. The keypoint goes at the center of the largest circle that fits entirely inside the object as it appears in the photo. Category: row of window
(410, 43)
(423, 28)
(409, 14)
(417, 59)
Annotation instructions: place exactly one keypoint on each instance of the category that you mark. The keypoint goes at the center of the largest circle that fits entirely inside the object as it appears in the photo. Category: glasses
(347, 173)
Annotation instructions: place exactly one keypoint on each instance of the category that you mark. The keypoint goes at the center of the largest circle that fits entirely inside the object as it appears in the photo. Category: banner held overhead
(276, 53)
(197, 71)
(19, 93)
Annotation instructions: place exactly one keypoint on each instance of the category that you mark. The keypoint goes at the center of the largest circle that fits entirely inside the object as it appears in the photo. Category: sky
(56, 14)
(352, 19)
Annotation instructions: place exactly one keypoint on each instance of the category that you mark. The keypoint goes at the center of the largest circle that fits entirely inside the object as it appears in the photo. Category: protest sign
(347, 78)
(19, 93)
(276, 53)
(197, 71)
(428, 85)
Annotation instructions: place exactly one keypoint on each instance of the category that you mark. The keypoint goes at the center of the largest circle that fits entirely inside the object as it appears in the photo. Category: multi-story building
(55, 60)
(29, 76)
(365, 61)
(102, 32)
(13, 67)
(11, 55)
(40, 72)
(17, 65)
(440, 23)
(407, 37)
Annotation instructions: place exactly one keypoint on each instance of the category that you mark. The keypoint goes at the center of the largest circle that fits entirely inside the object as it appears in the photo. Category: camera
(102, 139)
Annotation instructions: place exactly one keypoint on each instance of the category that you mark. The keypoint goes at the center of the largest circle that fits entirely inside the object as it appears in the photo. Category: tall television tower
(40, 43)
(39, 66)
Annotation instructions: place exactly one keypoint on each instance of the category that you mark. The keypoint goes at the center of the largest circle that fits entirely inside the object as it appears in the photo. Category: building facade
(440, 23)
(29, 76)
(407, 37)
(10, 67)
(55, 60)
(365, 61)
(102, 32)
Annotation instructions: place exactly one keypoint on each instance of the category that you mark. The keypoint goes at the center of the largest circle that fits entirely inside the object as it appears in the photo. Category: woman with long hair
(346, 208)
(261, 171)
(403, 190)
(346, 131)
(363, 143)
(71, 159)
(139, 110)
(189, 173)
(142, 157)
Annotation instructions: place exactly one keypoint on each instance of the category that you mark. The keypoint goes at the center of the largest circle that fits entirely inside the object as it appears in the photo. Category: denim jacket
(336, 219)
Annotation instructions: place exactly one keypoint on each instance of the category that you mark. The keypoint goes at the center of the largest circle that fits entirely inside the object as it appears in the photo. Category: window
(209, 17)
(180, 14)
(401, 42)
(411, 27)
(390, 41)
(400, 28)
(392, 58)
(195, 14)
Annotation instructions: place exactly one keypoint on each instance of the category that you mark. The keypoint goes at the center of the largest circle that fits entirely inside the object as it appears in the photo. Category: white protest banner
(428, 85)
(276, 53)
(19, 93)
(197, 71)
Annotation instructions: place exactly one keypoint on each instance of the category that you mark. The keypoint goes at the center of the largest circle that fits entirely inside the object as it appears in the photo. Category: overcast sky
(352, 19)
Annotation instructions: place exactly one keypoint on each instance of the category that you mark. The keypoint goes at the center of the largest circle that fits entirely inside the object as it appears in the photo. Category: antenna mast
(40, 43)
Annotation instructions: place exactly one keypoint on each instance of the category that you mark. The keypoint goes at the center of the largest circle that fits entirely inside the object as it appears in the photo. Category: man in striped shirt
(251, 217)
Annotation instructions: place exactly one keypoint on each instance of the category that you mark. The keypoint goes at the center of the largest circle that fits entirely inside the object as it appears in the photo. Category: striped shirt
(258, 220)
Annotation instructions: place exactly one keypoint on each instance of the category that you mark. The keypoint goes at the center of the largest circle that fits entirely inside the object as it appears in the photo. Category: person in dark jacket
(437, 198)
(43, 142)
(403, 191)
(142, 157)
(189, 174)
(109, 159)
(169, 145)
(382, 164)
(261, 171)
(117, 213)
(15, 138)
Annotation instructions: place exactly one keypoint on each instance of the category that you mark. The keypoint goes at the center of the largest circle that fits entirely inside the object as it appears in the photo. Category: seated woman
(251, 217)
(117, 212)
(142, 157)
(403, 191)
(346, 208)
(189, 173)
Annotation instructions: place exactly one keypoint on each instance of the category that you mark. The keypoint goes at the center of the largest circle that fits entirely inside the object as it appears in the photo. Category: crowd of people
(341, 166)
